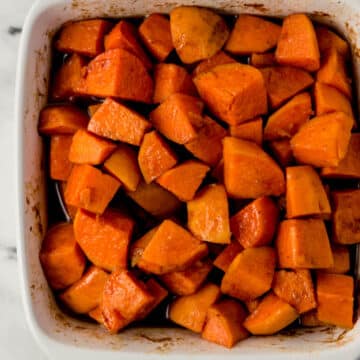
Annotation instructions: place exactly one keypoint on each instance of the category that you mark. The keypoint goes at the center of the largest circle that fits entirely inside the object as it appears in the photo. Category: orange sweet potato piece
(171, 248)
(88, 188)
(296, 288)
(184, 180)
(220, 58)
(341, 255)
(60, 166)
(104, 238)
(272, 315)
(122, 164)
(250, 274)
(154, 199)
(262, 60)
(178, 117)
(61, 120)
(305, 194)
(346, 217)
(124, 35)
(137, 248)
(323, 141)
(71, 210)
(92, 109)
(233, 92)
(255, 224)
(287, 120)
(328, 40)
(117, 73)
(190, 311)
(252, 34)
(223, 323)
(84, 37)
(125, 298)
(297, 45)
(249, 172)
(156, 36)
(188, 281)
(118, 122)
(296, 247)
(333, 72)
(157, 291)
(251, 305)
(251, 131)
(281, 149)
(218, 171)
(170, 79)
(335, 299)
(283, 82)
(349, 166)
(155, 156)
(96, 314)
(205, 39)
(61, 258)
(67, 78)
(86, 294)
(208, 215)
(207, 146)
(310, 319)
(87, 148)
(225, 258)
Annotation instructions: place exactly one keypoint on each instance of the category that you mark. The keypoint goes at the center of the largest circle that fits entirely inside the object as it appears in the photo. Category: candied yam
(208, 215)
(281, 149)
(262, 60)
(220, 58)
(341, 255)
(225, 258)
(328, 40)
(251, 131)
(60, 166)
(233, 92)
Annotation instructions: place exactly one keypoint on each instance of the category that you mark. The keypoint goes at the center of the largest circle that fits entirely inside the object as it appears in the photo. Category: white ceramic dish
(65, 338)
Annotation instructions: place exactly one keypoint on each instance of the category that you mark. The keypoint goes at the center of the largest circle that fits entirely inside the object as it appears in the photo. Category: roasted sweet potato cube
(296, 247)
(328, 40)
(104, 238)
(263, 60)
(225, 258)
(251, 305)
(255, 224)
(220, 58)
(335, 299)
(190, 311)
(341, 255)
(60, 166)
(96, 314)
(251, 131)
(223, 324)
(250, 274)
(137, 248)
(270, 316)
(281, 150)
(61, 258)
(86, 294)
(70, 209)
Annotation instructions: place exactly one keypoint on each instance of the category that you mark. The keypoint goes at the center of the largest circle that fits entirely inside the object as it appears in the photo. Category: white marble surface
(16, 341)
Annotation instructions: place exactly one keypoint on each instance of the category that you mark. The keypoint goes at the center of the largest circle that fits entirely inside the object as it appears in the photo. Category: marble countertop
(16, 341)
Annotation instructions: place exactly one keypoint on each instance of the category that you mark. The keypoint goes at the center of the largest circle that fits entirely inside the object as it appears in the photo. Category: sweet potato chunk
(346, 217)
(281, 149)
(190, 311)
(251, 131)
(225, 258)
(272, 315)
(251, 305)
(197, 42)
(323, 141)
(208, 215)
(223, 324)
(341, 255)
(249, 172)
(138, 247)
(155, 156)
(60, 166)
(298, 44)
(310, 319)
(263, 60)
(305, 194)
(220, 58)
(296, 247)
(92, 109)
(252, 34)
(96, 314)
(84, 37)
(283, 82)
(104, 238)
(170, 79)
(296, 288)
(178, 118)
(158, 292)
(184, 180)
(328, 40)
(233, 92)
(88, 188)
(155, 34)
(86, 294)
(250, 274)
(117, 122)
(61, 120)
(123, 164)
(117, 73)
(61, 258)
(255, 224)
(188, 281)
(335, 299)
(286, 121)
(171, 248)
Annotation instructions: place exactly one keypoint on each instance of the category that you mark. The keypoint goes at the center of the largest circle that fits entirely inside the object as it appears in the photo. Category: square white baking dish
(62, 337)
